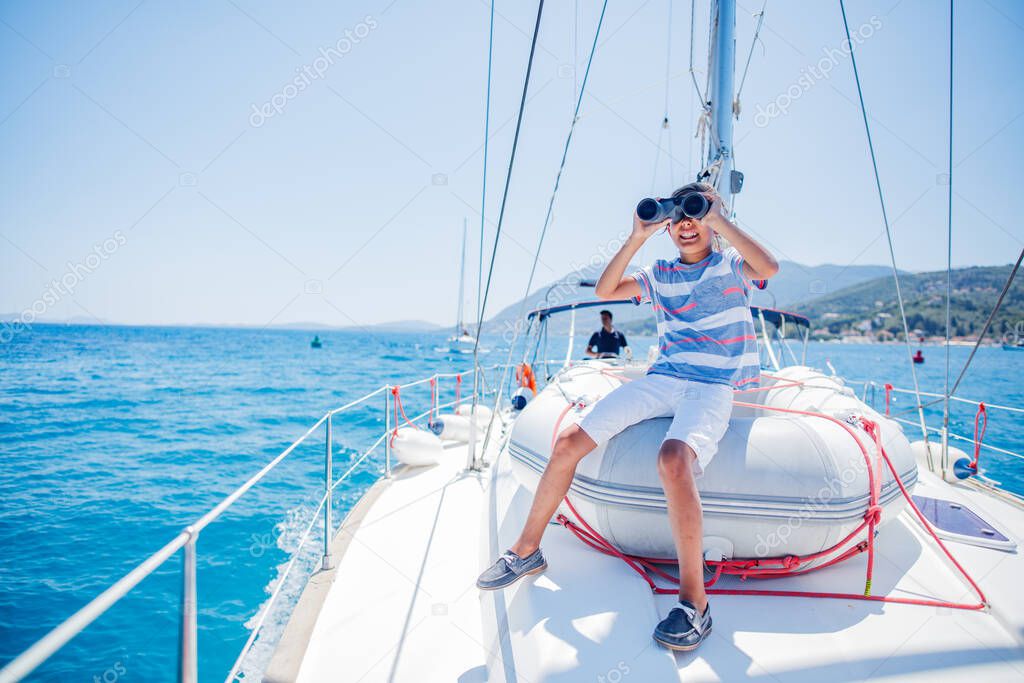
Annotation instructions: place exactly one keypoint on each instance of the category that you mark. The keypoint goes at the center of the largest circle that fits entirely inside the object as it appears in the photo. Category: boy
(708, 348)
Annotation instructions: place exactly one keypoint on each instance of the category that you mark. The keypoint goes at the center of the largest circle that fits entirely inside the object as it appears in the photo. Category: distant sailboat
(462, 341)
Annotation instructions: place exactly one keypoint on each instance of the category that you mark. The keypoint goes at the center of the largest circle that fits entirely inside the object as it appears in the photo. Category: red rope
(888, 397)
(615, 375)
(458, 389)
(398, 408)
(788, 566)
(981, 417)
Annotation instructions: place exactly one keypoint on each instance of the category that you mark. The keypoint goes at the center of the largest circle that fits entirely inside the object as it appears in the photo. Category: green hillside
(871, 307)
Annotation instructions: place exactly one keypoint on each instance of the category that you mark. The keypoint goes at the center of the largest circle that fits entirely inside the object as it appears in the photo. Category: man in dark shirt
(606, 342)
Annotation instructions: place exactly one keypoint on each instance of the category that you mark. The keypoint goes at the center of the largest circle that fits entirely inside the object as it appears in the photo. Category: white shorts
(700, 412)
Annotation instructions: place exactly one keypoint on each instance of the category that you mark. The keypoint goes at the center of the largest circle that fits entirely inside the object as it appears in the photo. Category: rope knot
(791, 562)
(870, 426)
(873, 514)
(980, 425)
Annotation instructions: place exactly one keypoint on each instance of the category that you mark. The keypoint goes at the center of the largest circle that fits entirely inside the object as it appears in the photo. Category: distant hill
(566, 290)
(871, 307)
(395, 326)
(796, 283)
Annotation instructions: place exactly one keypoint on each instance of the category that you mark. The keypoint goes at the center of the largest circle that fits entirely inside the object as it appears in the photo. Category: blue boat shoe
(509, 568)
(683, 629)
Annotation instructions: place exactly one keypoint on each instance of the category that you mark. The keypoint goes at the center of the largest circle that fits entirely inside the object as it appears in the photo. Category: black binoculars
(691, 205)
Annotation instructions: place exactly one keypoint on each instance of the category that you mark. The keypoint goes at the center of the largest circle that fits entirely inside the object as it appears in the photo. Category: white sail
(461, 340)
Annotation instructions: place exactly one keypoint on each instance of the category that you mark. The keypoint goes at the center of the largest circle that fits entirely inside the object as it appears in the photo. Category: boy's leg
(675, 466)
(572, 445)
(624, 406)
(525, 556)
(702, 416)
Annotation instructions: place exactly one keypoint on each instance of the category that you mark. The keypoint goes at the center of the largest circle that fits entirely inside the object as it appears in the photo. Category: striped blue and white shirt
(705, 331)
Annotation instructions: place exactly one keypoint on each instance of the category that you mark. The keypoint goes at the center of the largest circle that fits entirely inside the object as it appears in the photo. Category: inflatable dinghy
(782, 483)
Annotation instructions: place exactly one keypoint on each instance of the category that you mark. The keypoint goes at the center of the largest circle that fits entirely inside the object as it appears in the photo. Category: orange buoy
(526, 378)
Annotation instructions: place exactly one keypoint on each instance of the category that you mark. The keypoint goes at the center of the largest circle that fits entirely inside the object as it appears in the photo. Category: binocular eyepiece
(691, 205)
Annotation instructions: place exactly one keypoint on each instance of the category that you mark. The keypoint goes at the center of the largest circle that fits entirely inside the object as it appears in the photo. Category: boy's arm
(612, 283)
(758, 262)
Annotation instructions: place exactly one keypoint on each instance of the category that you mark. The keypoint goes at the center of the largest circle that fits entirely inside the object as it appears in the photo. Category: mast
(719, 168)
(459, 326)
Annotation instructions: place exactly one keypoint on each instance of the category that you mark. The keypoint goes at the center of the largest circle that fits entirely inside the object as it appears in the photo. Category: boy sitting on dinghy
(708, 348)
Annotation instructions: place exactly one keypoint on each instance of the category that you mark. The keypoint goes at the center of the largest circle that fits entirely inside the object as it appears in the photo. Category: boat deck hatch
(958, 522)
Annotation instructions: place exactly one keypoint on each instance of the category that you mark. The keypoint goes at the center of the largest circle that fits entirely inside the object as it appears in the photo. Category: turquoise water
(114, 438)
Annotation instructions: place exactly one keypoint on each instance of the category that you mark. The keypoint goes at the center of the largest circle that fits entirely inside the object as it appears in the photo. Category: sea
(114, 438)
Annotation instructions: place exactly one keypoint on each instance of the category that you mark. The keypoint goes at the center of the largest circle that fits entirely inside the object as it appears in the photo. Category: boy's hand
(642, 231)
(718, 213)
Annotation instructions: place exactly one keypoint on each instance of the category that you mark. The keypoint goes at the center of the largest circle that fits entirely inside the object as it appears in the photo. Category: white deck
(404, 607)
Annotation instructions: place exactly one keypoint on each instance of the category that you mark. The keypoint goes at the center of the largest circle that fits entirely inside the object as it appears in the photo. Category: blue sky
(134, 160)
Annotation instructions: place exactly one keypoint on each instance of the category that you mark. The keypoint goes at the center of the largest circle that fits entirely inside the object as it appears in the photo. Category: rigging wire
(709, 149)
(547, 219)
(746, 68)
(657, 159)
(949, 246)
(665, 124)
(949, 393)
(664, 121)
(988, 322)
(693, 74)
(888, 230)
(574, 40)
(497, 234)
(483, 190)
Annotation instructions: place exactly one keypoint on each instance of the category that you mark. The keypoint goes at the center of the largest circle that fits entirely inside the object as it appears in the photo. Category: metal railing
(188, 670)
(873, 386)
